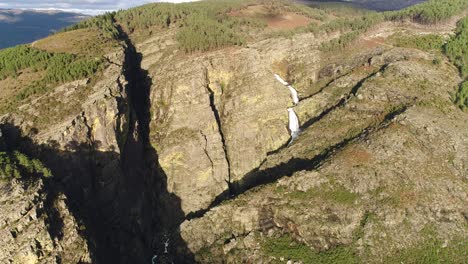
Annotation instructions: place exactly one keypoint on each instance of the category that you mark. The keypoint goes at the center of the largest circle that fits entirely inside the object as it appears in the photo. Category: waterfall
(294, 95)
(293, 123)
(283, 82)
(293, 120)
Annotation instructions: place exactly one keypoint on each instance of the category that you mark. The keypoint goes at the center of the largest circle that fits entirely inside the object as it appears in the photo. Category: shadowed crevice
(215, 110)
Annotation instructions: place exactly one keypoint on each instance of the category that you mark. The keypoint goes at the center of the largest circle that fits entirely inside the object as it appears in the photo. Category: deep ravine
(144, 219)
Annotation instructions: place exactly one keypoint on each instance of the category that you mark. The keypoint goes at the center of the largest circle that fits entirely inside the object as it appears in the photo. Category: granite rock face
(37, 228)
(193, 149)
(376, 165)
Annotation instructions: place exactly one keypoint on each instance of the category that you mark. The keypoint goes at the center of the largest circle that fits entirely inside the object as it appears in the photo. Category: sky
(91, 7)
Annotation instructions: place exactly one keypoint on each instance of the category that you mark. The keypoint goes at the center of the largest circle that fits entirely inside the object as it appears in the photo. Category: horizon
(85, 7)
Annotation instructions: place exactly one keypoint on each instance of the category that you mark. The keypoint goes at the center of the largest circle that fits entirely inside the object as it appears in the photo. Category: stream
(293, 119)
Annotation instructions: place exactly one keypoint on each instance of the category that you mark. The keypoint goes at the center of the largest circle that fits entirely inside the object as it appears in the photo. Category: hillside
(239, 131)
(378, 5)
(25, 26)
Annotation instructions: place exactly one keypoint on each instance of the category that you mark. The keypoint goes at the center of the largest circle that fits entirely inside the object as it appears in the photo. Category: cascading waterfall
(293, 119)
(293, 124)
(294, 95)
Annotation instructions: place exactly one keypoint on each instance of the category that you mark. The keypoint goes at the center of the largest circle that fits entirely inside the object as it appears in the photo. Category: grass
(432, 251)
(78, 42)
(429, 250)
(333, 193)
(430, 42)
(289, 249)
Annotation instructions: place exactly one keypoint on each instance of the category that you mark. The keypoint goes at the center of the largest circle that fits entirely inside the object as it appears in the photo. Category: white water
(283, 82)
(294, 95)
(293, 120)
(293, 91)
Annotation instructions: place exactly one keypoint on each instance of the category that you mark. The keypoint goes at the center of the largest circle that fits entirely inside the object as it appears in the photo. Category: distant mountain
(379, 5)
(24, 26)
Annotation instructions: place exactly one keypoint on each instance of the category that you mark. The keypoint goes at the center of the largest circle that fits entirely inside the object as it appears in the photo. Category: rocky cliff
(169, 156)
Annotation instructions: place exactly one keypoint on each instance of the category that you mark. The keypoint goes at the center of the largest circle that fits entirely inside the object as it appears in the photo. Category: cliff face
(185, 157)
(38, 228)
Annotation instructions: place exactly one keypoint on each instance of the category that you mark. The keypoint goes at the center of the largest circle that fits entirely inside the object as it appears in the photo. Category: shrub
(289, 249)
(461, 98)
(17, 165)
(430, 12)
(202, 26)
(104, 23)
(425, 42)
(457, 48)
(14, 59)
(341, 42)
(58, 67)
(356, 24)
(357, 27)
(202, 34)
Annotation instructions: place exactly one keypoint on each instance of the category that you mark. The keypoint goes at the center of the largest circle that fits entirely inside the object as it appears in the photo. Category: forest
(203, 25)
(430, 12)
(207, 25)
(457, 50)
(352, 29)
(58, 67)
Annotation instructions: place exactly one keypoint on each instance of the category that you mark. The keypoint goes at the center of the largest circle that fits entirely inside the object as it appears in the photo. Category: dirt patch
(273, 18)
(287, 21)
(356, 156)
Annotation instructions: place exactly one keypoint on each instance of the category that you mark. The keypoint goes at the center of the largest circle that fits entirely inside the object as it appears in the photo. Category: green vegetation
(202, 34)
(428, 42)
(457, 47)
(202, 25)
(58, 68)
(356, 24)
(209, 24)
(14, 59)
(457, 50)
(341, 42)
(461, 98)
(17, 165)
(335, 193)
(340, 9)
(353, 27)
(432, 251)
(289, 249)
(104, 23)
(429, 250)
(430, 12)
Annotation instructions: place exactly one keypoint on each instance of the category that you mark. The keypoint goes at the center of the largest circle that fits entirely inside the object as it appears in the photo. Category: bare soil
(273, 19)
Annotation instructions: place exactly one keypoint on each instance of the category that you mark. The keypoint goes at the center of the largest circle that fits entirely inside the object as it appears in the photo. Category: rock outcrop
(37, 227)
(188, 158)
